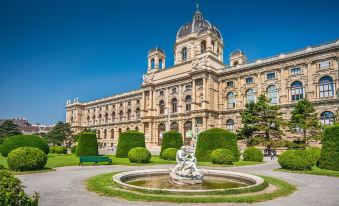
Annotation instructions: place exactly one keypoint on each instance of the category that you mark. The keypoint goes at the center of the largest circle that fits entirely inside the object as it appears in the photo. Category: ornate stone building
(201, 92)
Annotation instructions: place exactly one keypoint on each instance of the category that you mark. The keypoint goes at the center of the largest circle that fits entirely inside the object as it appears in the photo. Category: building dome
(198, 26)
(156, 49)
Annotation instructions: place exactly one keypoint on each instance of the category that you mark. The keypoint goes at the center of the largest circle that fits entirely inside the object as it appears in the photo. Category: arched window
(127, 129)
(212, 44)
(250, 96)
(161, 130)
(121, 116)
(231, 100)
(174, 105)
(203, 46)
(129, 115)
(113, 117)
(152, 63)
(326, 87)
(161, 107)
(137, 113)
(100, 118)
(112, 133)
(188, 101)
(106, 118)
(297, 91)
(105, 133)
(327, 118)
(160, 63)
(272, 93)
(174, 126)
(88, 119)
(230, 125)
(136, 129)
(119, 131)
(98, 134)
(184, 54)
(93, 118)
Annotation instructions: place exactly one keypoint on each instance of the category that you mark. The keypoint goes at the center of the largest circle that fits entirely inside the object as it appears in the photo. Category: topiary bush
(295, 160)
(169, 154)
(12, 192)
(253, 154)
(171, 139)
(17, 141)
(58, 150)
(87, 144)
(222, 157)
(213, 139)
(139, 155)
(314, 154)
(26, 159)
(129, 140)
(329, 158)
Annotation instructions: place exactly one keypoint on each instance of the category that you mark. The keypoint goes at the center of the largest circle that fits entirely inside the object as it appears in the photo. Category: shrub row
(129, 140)
(329, 158)
(171, 139)
(58, 149)
(299, 159)
(87, 144)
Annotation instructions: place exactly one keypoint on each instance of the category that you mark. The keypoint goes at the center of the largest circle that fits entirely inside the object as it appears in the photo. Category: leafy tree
(262, 119)
(8, 128)
(61, 133)
(305, 118)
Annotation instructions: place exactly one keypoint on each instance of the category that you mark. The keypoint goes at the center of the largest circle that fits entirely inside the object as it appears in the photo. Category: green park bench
(95, 159)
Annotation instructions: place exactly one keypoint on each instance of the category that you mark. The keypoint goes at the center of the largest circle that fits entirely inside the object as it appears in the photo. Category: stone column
(194, 99)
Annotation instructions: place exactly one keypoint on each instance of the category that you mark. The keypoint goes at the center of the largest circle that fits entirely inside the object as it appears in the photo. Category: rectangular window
(271, 75)
(249, 80)
(174, 90)
(161, 93)
(188, 87)
(295, 71)
(230, 84)
(324, 65)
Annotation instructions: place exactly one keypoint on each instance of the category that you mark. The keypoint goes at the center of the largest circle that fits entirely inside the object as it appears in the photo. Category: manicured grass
(103, 185)
(315, 171)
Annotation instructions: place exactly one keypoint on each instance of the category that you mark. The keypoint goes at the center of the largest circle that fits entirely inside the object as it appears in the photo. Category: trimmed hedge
(26, 159)
(87, 144)
(253, 154)
(171, 139)
(222, 157)
(295, 160)
(74, 149)
(169, 154)
(139, 155)
(12, 191)
(329, 158)
(17, 141)
(58, 149)
(314, 154)
(213, 139)
(129, 140)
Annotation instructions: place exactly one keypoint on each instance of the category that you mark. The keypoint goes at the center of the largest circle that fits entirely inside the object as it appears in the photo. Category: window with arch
(119, 131)
(127, 129)
(136, 129)
(93, 118)
(113, 117)
(250, 96)
(129, 115)
(112, 133)
(162, 107)
(203, 46)
(121, 116)
(98, 134)
(230, 125)
(160, 63)
(72, 119)
(297, 91)
(100, 118)
(174, 105)
(137, 113)
(106, 118)
(105, 134)
(161, 130)
(152, 63)
(231, 100)
(272, 94)
(326, 87)
(184, 54)
(88, 119)
(213, 45)
(327, 118)
(174, 126)
(188, 101)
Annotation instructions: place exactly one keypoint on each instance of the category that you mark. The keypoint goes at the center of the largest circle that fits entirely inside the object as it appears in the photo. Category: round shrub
(17, 141)
(314, 154)
(129, 140)
(58, 150)
(12, 191)
(171, 139)
(295, 160)
(87, 144)
(253, 154)
(139, 155)
(213, 139)
(169, 154)
(222, 157)
(26, 159)
(329, 158)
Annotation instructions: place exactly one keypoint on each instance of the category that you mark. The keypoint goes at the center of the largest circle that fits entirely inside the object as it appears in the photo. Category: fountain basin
(158, 180)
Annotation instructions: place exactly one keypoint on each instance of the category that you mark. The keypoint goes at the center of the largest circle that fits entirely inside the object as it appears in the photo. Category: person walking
(272, 154)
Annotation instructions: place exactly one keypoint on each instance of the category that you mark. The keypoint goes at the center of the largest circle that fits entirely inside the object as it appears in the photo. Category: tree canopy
(8, 128)
(60, 134)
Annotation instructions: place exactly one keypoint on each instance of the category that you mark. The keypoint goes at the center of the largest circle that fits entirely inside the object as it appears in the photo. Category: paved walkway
(66, 186)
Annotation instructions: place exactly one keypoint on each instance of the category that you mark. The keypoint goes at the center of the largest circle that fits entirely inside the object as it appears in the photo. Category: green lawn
(315, 171)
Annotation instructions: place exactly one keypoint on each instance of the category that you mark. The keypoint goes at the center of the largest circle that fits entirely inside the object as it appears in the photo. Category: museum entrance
(188, 134)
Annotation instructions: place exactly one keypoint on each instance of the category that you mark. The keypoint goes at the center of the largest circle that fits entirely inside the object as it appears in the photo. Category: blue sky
(54, 50)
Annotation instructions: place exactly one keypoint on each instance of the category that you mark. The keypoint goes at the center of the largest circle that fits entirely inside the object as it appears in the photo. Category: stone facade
(201, 92)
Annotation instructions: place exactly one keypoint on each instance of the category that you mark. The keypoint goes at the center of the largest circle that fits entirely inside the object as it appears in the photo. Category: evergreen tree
(262, 119)
(305, 118)
(61, 133)
(8, 128)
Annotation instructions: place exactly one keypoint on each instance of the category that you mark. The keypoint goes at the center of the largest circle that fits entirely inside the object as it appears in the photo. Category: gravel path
(66, 186)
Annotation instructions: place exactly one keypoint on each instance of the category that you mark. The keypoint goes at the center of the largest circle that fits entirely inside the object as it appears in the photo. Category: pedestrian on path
(272, 154)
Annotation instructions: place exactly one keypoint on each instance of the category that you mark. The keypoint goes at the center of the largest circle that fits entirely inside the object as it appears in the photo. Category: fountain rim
(118, 178)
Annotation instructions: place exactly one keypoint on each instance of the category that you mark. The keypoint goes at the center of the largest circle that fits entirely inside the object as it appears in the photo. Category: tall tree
(262, 119)
(61, 133)
(305, 118)
(8, 128)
